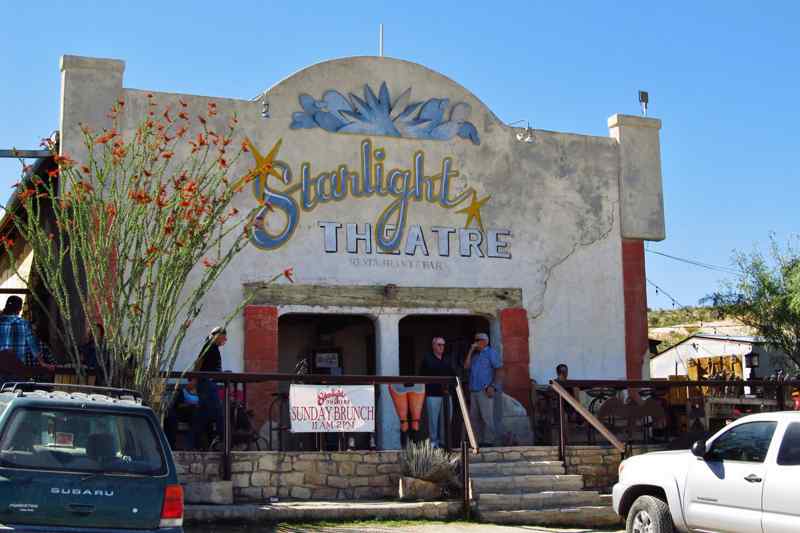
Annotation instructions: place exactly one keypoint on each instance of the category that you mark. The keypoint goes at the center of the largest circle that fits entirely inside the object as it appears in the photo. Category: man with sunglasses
(485, 384)
(436, 363)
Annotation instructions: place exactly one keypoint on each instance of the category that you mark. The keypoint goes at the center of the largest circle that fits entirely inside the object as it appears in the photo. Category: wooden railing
(565, 396)
(763, 394)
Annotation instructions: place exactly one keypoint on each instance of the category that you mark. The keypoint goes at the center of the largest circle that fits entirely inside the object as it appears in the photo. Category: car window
(789, 454)
(81, 441)
(746, 442)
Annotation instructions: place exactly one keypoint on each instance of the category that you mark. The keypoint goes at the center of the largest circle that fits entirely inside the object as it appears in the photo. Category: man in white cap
(210, 407)
(210, 358)
(485, 382)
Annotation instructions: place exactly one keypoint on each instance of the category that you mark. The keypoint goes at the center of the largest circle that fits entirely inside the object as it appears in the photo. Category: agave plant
(423, 461)
(379, 115)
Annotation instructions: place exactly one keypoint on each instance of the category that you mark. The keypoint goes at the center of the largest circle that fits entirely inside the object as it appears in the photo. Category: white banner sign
(332, 408)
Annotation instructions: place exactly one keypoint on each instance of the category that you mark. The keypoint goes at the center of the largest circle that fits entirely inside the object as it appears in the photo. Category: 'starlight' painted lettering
(401, 184)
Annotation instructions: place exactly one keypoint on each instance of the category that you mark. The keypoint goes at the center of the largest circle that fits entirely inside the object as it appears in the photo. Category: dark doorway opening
(416, 333)
(324, 344)
(301, 336)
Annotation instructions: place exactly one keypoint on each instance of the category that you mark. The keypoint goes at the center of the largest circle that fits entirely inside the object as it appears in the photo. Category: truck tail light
(172, 509)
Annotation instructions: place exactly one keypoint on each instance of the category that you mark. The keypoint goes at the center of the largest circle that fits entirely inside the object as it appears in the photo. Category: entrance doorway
(458, 331)
(330, 344)
(416, 332)
(315, 337)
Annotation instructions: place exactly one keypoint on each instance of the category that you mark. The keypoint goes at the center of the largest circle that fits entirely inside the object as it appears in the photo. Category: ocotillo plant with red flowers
(138, 233)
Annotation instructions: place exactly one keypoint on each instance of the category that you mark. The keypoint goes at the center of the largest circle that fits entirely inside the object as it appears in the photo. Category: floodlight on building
(644, 99)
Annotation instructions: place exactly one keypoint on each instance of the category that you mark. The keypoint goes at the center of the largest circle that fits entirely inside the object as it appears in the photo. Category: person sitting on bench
(182, 410)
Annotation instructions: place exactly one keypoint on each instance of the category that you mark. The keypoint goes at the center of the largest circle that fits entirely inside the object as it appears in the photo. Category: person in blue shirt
(485, 383)
(16, 335)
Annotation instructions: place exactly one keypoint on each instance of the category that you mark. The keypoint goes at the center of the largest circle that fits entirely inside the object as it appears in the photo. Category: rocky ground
(391, 527)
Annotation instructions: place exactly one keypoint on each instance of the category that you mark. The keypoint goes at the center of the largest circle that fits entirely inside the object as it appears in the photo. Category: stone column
(89, 87)
(640, 194)
(641, 218)
(387, 335)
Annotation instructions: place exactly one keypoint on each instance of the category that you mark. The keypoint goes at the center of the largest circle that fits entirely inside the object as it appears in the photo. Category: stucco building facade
(407, 209)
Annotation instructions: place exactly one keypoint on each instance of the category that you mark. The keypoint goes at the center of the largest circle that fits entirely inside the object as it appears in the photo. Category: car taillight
(172, 509)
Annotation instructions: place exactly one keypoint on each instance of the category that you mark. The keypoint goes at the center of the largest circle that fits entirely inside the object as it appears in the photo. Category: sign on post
(332, 408)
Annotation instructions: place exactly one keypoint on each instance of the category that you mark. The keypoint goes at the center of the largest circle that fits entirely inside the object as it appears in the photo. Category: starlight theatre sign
(335, 409)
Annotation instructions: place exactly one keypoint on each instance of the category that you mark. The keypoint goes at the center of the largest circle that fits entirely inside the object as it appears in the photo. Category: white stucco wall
(582, 322)
(16, 279)
(558, 197)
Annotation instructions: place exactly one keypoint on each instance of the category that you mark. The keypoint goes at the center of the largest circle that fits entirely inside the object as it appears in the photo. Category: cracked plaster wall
(559, 196)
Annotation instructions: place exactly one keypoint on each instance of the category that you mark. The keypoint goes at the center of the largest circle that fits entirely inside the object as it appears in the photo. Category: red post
(516, 353)
(260, 355)
(635, 295)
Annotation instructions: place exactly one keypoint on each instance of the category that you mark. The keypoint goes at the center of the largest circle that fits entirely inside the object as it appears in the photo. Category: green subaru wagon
(83, 459)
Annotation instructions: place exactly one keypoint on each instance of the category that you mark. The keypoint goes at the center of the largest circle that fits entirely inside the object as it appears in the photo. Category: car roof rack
(21, 387)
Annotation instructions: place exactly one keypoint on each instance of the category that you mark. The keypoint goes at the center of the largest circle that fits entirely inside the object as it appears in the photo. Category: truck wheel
(649, 514)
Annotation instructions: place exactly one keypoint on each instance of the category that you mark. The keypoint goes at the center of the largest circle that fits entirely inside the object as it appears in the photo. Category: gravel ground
(437, 527)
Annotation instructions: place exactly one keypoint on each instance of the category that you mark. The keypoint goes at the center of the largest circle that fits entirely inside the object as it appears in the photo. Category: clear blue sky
(724, 77)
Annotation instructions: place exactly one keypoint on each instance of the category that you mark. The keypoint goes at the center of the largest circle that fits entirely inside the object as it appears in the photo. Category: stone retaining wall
(598, 464)
(198, 466)
(258, 476)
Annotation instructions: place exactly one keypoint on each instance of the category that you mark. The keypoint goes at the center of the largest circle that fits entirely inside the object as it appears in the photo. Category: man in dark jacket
(210, 407)
(436, 363)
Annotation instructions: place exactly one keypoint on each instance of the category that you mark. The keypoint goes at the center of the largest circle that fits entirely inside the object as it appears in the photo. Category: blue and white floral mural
(379, 115)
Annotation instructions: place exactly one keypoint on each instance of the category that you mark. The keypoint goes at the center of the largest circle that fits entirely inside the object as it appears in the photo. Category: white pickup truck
(744, 479)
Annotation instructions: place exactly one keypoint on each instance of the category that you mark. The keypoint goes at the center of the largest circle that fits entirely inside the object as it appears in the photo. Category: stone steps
(529, 486)
(520, 453)
(517, 468)
(540, 500)
(588, 516)
(312, 511)
(524, 484)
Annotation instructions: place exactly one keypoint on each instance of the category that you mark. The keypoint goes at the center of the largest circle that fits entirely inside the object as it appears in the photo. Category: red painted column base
(635, 294)
(260, 355)
(516, 354)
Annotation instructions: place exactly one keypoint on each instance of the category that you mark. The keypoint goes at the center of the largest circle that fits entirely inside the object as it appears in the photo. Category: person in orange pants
(408, 400)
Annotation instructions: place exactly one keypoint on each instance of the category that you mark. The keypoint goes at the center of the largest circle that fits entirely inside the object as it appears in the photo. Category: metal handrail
(462, 404)
(470, 443)
(323, 379)
(668, 384)
(467, 491)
